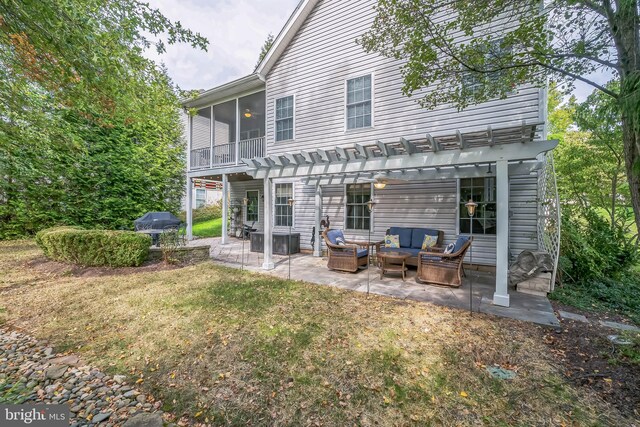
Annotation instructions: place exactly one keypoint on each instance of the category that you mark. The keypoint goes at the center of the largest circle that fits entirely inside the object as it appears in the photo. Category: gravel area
(30, 372)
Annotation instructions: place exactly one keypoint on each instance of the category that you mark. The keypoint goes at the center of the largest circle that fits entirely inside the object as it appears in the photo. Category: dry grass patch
(235, 348)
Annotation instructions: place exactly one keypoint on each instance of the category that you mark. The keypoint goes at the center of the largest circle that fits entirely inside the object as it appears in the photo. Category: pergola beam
(480, 154)
(515, 169)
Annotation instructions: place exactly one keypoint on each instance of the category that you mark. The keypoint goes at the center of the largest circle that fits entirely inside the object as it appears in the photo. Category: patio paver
(531, 308)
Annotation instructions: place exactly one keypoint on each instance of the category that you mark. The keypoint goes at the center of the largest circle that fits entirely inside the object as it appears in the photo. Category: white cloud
(236, 31)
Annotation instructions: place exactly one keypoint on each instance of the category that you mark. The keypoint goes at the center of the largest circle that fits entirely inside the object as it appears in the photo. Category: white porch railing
(200, 158)
(250, 148)
(225, 154)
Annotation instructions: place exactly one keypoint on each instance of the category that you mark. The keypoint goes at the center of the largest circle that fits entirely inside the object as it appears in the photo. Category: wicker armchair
(348, 257)
(438, 268)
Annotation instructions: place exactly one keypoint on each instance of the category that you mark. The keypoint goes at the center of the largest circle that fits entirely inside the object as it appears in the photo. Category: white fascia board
(232, 89)
(285, 36)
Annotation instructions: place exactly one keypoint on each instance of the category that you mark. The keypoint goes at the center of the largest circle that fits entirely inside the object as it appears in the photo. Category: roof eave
(238, 86)
(285, 36)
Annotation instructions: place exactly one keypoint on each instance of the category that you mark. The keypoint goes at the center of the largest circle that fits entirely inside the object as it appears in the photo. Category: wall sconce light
(379, 185)
(247, 113)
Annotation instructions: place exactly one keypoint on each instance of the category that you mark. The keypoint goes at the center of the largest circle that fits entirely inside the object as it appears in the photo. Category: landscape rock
(93, 397)
(56, 371)
(144, 420)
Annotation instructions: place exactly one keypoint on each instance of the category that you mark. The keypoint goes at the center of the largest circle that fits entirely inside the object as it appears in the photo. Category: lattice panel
(549, 214)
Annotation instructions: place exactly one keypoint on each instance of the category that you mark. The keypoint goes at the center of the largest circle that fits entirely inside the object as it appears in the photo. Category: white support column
(501, 295)
(189, 209)
(238, 118)
(317, 248)
(268, 229)
(225, 209)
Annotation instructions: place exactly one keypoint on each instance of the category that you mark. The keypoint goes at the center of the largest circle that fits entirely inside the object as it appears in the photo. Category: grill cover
(157, 220)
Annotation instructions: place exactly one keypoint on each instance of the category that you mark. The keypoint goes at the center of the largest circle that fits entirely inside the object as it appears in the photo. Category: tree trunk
(631, 140)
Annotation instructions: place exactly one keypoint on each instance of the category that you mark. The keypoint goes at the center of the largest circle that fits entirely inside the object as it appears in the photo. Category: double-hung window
(253, 197)
(283, 212)
(358, 215)
(483, 192)
(359, 102)
(201, 197)
(284, 118)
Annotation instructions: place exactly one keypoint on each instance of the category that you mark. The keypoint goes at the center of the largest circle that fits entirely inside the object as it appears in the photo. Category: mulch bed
(590, 359)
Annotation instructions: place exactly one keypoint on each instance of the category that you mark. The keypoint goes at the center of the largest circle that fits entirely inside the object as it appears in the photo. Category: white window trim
(373, 98)
(475, 235)
(273, 205)
(245, 211)
(344, 207)
(293, 117)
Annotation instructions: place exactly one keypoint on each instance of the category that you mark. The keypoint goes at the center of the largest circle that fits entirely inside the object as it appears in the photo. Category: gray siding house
(324, 123)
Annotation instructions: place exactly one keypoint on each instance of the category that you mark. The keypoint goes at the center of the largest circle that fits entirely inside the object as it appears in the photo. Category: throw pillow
(429, 241)
(392, 241)
(449, 249)
(340, 241)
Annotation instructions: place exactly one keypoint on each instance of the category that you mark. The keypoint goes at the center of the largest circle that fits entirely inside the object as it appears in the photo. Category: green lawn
(209, 228)
(230, 347)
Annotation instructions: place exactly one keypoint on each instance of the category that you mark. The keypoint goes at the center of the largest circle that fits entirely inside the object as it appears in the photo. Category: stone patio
(530, 308)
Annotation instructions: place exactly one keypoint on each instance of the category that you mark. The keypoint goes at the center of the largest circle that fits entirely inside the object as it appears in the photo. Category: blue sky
(236, 30)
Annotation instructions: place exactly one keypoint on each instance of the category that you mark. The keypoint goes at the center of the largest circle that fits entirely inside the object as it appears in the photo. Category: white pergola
(514, 150)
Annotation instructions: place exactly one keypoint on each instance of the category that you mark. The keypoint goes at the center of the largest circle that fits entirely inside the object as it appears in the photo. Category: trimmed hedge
(94, 248)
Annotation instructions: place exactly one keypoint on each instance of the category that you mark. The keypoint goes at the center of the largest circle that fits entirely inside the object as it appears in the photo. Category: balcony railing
(200, 158)
(250, 148)
(225, 154)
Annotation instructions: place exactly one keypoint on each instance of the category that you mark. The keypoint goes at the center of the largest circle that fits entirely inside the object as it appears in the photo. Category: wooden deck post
(501, 295)
(268, 225)
(225, 209)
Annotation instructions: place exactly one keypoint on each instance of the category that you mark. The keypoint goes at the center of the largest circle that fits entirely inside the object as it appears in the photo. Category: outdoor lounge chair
(348, 257)
(439, 268)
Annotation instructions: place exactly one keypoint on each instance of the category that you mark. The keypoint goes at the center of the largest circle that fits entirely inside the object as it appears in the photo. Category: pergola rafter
(432, 152)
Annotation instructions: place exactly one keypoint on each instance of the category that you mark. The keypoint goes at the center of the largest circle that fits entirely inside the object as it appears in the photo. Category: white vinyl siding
(284, 118)
(323, 55)
(359, 102)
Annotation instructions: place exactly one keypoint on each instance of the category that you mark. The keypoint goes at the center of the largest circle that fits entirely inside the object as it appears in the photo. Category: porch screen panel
(357, 211)
(483, 192)
(283, 212)
(252, 206)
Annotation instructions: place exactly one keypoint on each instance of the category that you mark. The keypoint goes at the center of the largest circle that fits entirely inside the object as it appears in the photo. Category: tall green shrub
(95, 247)
(591, 249)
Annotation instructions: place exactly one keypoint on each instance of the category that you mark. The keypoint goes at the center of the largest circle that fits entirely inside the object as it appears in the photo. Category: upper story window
(483, 192)
(283, 212)
(494, 53)
(359, 102)
(284, 118)
(358, 215)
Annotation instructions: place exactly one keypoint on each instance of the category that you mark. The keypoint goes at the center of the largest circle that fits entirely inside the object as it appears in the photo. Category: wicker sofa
(411, 241)
(436, 267)
(348, 257)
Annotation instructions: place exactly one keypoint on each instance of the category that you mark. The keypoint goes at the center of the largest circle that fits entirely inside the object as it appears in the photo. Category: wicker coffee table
(392, 262)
